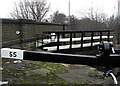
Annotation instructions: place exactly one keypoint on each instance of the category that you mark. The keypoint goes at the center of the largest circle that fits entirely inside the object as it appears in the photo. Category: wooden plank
(108, 36)
(70, 40)
(82, 39)
(92, 35)
(58, 41)
(100, 37)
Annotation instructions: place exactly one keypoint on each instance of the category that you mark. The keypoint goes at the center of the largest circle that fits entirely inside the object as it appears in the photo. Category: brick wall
(28, 31)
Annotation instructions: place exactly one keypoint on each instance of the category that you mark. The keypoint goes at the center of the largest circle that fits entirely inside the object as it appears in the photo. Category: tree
(59, 18)
(95, 19)
(114, 23)
(95, 15)
(30, 9)
(74, 23)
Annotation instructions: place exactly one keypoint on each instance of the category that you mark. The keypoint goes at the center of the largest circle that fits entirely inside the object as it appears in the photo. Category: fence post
(100, 36)
(70, 40)
(82, 41)
(58, 37)
(63, 27)
(92, 34)
(74, 37)
(42, 40)
(63, 30)
(108, 36)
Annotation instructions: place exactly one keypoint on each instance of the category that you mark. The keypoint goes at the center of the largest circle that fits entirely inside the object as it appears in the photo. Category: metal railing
(78, 38)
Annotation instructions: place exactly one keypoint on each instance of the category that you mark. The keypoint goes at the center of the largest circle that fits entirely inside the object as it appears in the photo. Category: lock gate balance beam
(112, 61)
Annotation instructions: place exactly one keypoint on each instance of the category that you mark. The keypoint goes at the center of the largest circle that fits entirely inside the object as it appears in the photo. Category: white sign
(12, 53)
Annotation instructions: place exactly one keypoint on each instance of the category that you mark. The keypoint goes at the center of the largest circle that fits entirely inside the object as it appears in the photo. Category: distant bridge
(62, 40)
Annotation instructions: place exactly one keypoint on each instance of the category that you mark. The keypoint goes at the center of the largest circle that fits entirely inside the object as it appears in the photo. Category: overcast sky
(77, 6)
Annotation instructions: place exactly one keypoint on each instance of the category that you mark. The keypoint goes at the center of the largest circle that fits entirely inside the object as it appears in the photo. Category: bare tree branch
(34, 10)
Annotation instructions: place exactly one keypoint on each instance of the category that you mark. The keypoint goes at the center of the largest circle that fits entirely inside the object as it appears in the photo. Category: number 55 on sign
(12, 53)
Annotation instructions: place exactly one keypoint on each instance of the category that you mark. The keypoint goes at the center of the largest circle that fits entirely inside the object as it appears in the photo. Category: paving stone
(42, 72)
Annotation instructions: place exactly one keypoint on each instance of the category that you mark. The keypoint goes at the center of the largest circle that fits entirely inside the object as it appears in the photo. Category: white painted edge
(76, 39)
(52, 48)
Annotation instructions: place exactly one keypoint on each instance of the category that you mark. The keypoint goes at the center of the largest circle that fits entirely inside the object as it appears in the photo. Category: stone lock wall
(28, 32)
